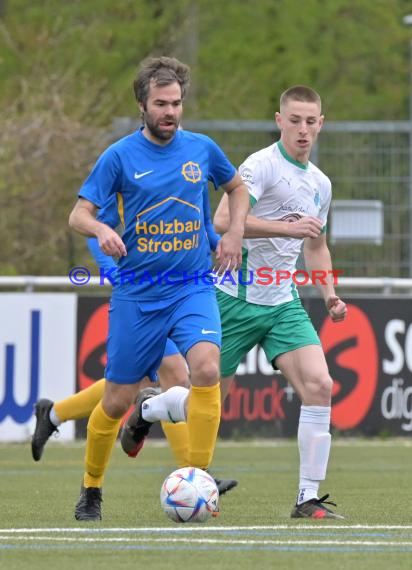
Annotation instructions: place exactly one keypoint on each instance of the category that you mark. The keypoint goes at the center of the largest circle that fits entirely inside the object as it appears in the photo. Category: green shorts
(277, 329)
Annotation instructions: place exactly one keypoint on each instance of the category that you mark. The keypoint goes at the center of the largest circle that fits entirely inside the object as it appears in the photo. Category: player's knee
(318, 389)
(207, 373)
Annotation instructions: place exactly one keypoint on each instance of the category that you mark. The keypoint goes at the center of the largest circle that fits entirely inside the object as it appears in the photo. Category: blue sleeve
(102, 260)
(107, 215)
(104, 179)
(221, 170)
(210, 230)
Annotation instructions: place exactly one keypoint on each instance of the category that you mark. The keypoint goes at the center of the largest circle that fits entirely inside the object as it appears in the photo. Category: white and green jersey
(280, 189)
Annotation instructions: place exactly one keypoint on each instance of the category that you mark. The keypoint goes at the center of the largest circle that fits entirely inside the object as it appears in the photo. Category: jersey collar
(289, 158)
(158, 147)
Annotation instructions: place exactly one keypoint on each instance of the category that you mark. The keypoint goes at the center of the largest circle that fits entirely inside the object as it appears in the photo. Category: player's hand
(336, 308)
(306, 227)
(110, 242)
(229, 252)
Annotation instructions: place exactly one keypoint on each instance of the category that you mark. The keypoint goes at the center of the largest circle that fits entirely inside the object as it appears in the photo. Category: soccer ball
(189, 495)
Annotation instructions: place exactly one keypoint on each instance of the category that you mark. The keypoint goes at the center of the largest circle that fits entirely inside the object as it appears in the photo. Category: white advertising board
(37, 358)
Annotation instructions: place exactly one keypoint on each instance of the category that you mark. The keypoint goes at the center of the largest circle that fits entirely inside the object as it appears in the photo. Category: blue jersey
(110, 215)
(213, 237)
(160, 193)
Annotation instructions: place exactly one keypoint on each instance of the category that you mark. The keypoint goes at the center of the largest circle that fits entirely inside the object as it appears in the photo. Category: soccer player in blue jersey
(172, 371)
(158, 174)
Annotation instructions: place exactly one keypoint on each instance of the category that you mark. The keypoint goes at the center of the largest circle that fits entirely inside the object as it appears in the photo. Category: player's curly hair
(163, 71)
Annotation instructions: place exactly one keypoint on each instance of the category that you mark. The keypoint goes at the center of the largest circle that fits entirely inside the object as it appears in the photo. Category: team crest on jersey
(316, 197)
(191, 172)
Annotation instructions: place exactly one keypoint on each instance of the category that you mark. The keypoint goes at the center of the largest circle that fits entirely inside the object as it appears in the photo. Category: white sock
(53, 417)
(314, 445)
(168, 406)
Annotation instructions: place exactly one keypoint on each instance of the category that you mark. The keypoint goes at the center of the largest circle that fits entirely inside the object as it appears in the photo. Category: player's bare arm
(307, 226)
(229, 249)
(317, 258)
(83, 220)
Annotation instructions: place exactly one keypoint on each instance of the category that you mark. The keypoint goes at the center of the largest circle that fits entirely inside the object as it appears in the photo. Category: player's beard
(156, 131)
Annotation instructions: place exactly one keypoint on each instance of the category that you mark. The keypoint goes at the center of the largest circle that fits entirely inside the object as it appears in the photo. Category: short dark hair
(163, 71)
(300, 93)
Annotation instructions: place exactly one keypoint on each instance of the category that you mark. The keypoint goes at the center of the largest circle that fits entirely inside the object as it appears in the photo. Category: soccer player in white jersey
(290, 199)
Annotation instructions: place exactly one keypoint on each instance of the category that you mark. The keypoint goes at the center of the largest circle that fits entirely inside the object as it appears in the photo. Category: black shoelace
(323, 500)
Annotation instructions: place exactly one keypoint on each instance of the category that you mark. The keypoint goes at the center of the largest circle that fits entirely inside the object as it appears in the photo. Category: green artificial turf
(370, 481)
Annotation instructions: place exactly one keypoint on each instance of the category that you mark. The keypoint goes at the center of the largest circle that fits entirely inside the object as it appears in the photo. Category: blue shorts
(170, 348)
(138, 336)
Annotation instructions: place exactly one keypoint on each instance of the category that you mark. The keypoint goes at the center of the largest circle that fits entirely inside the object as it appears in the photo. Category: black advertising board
(369, 357)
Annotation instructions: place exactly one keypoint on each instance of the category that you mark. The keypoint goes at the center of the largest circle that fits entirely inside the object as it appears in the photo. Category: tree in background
(66, 70)
(354, 52)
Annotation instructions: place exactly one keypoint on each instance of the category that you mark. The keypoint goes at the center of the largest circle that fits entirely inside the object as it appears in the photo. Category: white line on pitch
(205, 528)
(216, 541)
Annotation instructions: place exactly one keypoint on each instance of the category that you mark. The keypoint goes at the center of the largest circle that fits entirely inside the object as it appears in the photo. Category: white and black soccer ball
(189, 495)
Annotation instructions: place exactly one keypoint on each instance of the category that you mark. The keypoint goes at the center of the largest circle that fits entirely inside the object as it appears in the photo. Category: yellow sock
(178, 438)
(102, 431)
(82, 404)
(203, 418)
